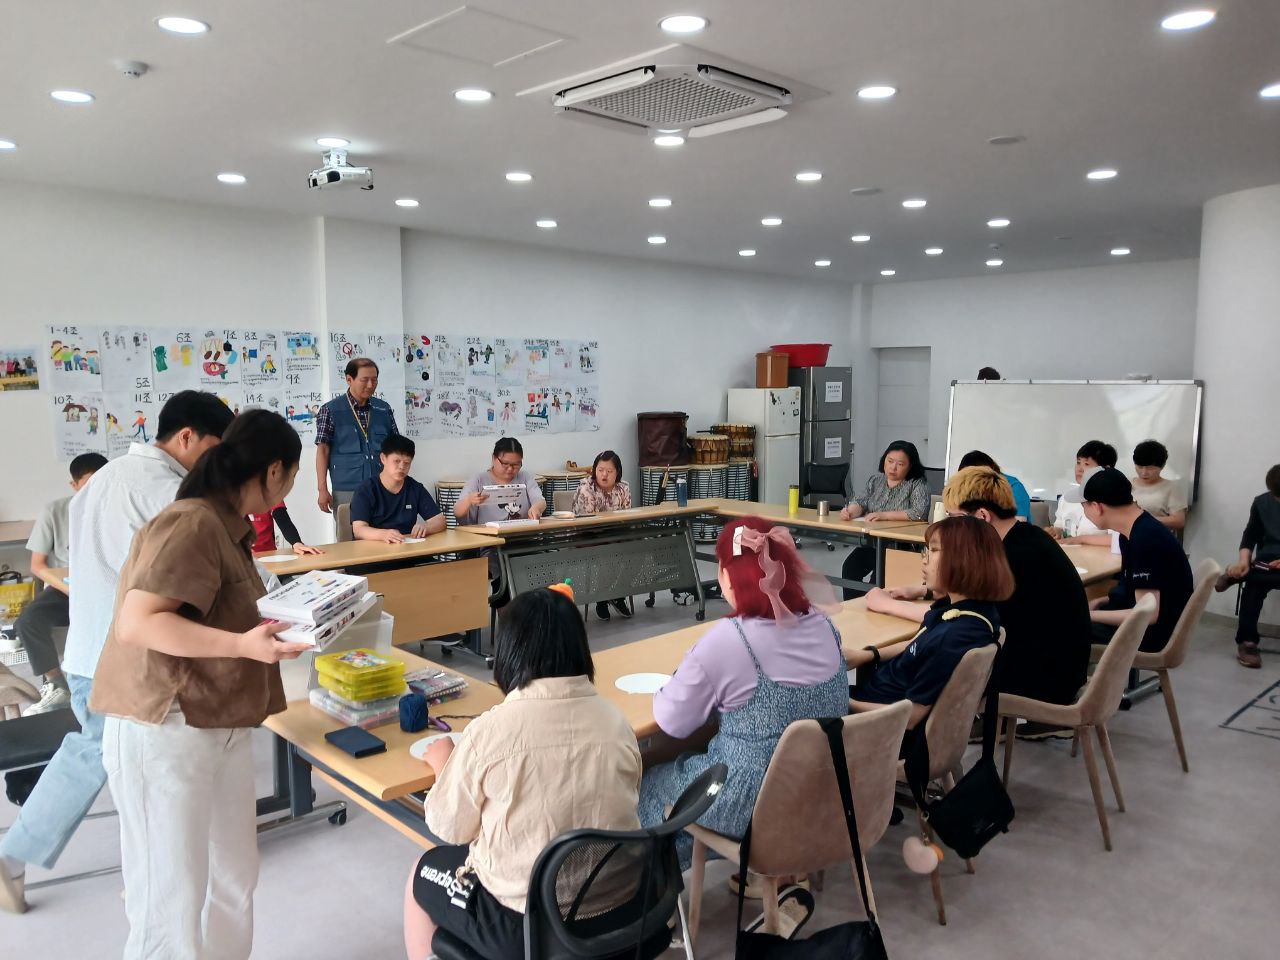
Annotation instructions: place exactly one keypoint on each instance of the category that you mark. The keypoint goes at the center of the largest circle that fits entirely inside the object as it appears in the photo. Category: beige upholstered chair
(947, 730)
(798, 825)
(342, 522)
(1097, 704)
(1175, 651)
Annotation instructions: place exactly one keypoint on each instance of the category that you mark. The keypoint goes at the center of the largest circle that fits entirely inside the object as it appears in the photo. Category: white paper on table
(418, 749)
(642, 682)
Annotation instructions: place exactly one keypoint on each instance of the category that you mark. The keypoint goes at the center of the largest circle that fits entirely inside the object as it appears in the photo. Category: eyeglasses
(510, 465)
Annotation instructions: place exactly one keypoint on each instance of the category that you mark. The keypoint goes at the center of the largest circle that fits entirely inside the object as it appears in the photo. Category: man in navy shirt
(393, 505)
(1151, 556)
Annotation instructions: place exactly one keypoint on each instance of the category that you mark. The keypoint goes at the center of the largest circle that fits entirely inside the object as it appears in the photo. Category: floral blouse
(589, 498)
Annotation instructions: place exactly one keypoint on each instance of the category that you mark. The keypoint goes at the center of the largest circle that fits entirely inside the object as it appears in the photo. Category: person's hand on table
(305, 550)
(438, 753)
(261, 644)
(916, 592)
(325, 500)
(872, 517)
(1055, 532)
(419, 529)
(879, 600)
(392, 536)
(850, 511)
(537, 510)
(1097, 603)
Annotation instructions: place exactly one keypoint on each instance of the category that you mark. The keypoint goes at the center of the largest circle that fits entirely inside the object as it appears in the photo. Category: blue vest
(353, 456)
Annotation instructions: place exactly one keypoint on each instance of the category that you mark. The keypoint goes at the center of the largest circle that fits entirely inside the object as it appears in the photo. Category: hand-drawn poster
(77, 424)
(451, 362)
(387, 351)
(536, 356)
(75, 363)
(343, 348)
(418, 367)
(506, 405)
(562, 408)
(419, 415)
(481, 362)
(128, 417)
(301, 354)
(175, 364)
(261, 360)
(588, 350)
(219, 360)
(512, 361)
(481, 416)
(536, 410)
(18, 369)
(126, 359)
(562, 360)
(588, 412)
(301, 409)
(272, 400)
(450, 412)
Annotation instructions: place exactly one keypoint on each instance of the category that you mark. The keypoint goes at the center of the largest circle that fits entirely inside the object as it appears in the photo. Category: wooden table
(1098, 567)
(428, 599)
(15, 531)
(622, 553)
(60, 574)
(383, 783)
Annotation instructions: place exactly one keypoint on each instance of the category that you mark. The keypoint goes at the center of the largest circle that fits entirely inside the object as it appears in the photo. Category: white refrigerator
(775, 413)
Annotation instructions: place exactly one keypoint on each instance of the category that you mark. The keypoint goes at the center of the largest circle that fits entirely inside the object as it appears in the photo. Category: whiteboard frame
(1194, 492)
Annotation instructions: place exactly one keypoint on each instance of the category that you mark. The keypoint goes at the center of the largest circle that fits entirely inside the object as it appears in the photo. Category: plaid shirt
(325, 426)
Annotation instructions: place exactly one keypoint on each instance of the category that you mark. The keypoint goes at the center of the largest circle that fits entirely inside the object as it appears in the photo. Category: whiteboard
(1033, 428)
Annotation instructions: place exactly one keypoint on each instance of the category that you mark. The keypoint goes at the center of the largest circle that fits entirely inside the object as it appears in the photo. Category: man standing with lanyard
(349, 434)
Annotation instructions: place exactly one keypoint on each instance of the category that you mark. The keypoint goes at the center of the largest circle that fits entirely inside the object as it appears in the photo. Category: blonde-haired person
(1046, 620)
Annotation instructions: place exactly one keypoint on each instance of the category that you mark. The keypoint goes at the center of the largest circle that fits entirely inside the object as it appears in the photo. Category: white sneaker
(52, 697)
(9, 643)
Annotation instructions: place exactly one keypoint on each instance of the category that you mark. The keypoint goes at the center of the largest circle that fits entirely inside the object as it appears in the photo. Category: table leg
(881, 546)
(697, 578)
(293, 792)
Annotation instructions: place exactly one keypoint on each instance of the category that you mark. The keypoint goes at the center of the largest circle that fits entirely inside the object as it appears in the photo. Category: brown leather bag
(662, 439)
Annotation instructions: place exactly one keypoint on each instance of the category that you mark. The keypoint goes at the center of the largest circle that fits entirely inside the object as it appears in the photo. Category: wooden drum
(651, 480)
(707, 483)
(709, 448)
(738, 484)
(447, 494)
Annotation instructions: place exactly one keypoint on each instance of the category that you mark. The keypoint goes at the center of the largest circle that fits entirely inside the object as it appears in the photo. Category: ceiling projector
(337, 171)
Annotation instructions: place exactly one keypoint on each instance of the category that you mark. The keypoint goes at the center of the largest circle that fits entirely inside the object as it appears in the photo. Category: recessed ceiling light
(1120, 251)
(1188, 19)
(407, 202)
(183, 26)
(332, 142)
(72, 96)
(822, 263)
(933, 251)
(668, 140)
(998, 222)
(746, 253)
(231, 178)
(995, 263)
(808, 176)
(8, 145)
(877, 92)
(861, 237)
(657, 240)
(547, 224)
(1006, 140)
(771, 221)
(519, 176)
(1270, 92)
(1102, 173)
(864, 191)
(472, 95)
(683, 23)
(914, 203)
(660, 203)
(888, 273)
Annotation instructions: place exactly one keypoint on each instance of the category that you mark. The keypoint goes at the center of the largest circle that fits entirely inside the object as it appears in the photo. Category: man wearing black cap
(1153, 561)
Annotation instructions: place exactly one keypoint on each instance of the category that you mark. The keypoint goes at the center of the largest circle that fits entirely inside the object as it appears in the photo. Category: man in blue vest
(349, 434)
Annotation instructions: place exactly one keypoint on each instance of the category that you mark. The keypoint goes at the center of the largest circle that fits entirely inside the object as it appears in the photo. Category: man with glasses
(1046, 621)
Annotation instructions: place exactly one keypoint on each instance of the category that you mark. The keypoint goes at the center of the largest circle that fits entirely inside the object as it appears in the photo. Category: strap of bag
(834, 729)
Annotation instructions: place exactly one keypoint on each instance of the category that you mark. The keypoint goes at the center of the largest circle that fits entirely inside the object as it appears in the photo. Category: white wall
(1237, 343)
(101, 258)
(1094, 323)
(671, 337)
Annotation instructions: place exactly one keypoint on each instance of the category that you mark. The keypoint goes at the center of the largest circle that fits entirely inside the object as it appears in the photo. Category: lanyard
(351, 406)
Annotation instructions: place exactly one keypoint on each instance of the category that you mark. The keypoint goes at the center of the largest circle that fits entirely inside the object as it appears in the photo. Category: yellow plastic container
(361, 674)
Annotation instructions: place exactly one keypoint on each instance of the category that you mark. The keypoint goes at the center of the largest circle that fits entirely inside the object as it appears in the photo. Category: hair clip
(737, 541)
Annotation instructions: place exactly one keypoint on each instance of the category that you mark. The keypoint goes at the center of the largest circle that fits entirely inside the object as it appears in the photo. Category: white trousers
(188, 840)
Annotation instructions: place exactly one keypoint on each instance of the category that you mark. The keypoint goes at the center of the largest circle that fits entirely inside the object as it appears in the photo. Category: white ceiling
(1089, 83)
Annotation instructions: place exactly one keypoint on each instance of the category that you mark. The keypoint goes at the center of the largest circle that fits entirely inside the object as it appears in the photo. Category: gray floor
(1193, 873)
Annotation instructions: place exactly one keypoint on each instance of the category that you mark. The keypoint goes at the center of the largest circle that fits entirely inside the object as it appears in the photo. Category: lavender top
(717, 674)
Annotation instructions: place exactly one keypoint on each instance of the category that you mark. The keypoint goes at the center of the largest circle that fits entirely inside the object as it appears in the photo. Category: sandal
(795, 907)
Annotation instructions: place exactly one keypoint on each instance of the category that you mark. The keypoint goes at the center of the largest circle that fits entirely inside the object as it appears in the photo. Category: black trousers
(860, 562)
(35, 625)
(1256, 587)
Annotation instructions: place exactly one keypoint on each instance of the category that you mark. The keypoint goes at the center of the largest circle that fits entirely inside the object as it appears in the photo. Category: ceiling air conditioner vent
(683, 97)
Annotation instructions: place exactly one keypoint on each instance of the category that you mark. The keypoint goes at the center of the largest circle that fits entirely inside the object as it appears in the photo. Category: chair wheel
(1126, 704)
(650, 602)
(831, 547)
(700, 615)
(339, 818)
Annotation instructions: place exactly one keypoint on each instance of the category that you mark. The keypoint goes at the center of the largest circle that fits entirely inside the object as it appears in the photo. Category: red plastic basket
(804, 354)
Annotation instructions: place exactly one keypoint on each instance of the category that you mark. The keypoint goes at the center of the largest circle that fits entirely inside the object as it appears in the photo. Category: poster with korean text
(77, 424)
(588, 351)
(450, 361)
(481, 416)
(175, 363)
(418, 367)
(588, 412)
(511, 361)
(128, 416)
(74, 358)
(537, 359)
(218, 354)
(301, 409)
(261, 360)
(481, 363)
(508, 411)
(562, 360)
(536, 409)
(562, 406)
(450, 409)
(126, 359)
(419, 416)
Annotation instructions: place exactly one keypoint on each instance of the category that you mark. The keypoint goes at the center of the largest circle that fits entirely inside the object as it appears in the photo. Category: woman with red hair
(776, 660)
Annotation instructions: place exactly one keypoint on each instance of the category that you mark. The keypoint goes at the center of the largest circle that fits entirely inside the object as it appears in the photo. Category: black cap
(1109, 487)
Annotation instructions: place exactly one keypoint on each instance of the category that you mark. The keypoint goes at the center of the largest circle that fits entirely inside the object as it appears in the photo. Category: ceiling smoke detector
(699, 98)
(131, 69)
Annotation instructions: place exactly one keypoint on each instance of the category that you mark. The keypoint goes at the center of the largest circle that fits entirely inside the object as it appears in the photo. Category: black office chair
(605, 894)
(825, 483)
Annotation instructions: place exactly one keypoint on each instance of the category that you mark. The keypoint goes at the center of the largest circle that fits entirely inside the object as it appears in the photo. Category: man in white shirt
(118, 500)
(1070, 525)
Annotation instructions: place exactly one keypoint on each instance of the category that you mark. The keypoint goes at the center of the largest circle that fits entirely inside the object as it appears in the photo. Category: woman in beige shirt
(552, 757)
